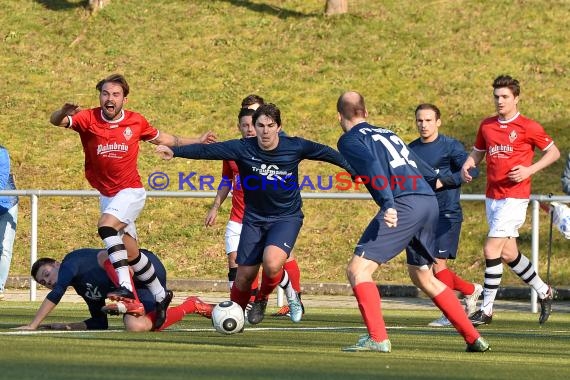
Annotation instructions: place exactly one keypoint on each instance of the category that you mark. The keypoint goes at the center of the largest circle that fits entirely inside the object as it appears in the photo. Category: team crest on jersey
(513, 136)
(92, 292)
(128, 133)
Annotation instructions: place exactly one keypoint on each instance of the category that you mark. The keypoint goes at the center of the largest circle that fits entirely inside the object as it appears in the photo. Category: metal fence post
(34, 242)
(534, 249)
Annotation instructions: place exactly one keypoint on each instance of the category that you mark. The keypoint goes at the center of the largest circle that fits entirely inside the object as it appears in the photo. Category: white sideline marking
(249, 329)
(42, 332)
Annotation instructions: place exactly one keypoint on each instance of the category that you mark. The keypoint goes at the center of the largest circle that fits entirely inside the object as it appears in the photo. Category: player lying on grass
(91, 274)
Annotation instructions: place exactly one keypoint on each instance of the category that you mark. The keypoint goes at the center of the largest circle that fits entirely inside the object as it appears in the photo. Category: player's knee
(106, 231)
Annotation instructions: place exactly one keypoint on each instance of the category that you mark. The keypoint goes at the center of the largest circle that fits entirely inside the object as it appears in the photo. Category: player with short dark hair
(407, 220)
(268, 167)
(507, 141)
(110, 136)
(91, 274)
(446, 156)
(252, 102)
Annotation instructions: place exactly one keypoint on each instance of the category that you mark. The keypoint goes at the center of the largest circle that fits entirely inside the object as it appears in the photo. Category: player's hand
(391, 217)
(519, 173)
(211, 217)
(465, 172)
(208, 138)
(70, 109)
(164, 152)
(24, 328)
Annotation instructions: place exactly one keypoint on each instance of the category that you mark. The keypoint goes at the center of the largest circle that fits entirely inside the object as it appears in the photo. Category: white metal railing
(35, 194)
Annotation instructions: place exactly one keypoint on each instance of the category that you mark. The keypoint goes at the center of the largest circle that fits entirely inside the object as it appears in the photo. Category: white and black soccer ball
(228, 317)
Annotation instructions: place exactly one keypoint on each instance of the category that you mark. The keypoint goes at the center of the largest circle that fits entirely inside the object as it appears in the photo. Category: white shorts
(126, 206)
(233, 231)
(505, 216)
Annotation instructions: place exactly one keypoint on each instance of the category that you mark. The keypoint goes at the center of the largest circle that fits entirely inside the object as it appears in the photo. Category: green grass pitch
(279, 349)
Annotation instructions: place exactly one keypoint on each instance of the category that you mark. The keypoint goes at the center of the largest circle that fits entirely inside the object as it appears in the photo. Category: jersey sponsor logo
(500, 151)
(128, 133)
(93, 292)
(272, 172)
(112, 148)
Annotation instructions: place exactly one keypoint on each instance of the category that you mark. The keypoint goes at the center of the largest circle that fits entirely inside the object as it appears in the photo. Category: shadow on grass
(60, 5)
(269, 9)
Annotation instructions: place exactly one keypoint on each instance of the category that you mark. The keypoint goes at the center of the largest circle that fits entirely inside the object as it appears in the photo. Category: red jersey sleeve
(148, 132)
(538, 136)
(480, 142)
(82, 119)
(227, 170)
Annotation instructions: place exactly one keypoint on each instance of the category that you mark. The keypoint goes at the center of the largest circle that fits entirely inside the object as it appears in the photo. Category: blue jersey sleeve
(315, 151)
(365, 164)
(227, 150)
(64, 278)
(428, 173)
(4, 168)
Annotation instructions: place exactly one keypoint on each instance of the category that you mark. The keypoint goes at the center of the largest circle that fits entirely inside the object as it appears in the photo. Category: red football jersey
(111, 148)
(230, 171)
(508, 143)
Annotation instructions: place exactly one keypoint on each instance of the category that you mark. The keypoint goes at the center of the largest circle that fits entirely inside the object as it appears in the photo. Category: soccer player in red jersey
(507, 141)
(110, 136)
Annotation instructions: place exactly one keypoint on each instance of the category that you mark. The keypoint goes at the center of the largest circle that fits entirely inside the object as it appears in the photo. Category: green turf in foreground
(278, 349)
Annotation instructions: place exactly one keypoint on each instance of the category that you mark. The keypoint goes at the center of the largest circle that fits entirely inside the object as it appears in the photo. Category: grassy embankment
(190, 63)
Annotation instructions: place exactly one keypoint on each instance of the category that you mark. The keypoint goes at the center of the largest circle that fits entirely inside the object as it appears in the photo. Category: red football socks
(370, 305)
(294, 273)
(448, 303)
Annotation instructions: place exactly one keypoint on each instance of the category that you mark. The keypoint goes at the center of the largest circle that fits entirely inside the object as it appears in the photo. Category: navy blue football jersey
(446, 156)
(269, 179)
(80, 270)
(388, 168)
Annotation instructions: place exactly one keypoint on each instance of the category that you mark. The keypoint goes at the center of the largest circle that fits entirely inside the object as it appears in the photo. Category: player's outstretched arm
(46, 307)
(173, 140)
(164, 152)
(59, 117)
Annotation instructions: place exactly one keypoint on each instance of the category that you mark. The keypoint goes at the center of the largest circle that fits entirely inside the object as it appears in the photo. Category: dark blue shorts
(415, 233)
(447, 238)
(145, 295)
(255, 236)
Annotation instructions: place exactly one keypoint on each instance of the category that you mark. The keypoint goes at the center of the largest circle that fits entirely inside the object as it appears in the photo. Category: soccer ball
(228, 317)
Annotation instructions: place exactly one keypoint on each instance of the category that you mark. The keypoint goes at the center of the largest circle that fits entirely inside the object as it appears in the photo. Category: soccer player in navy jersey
(446, 156)
(230, 172)
(268, 167)
(408, 214)
(92, 276)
